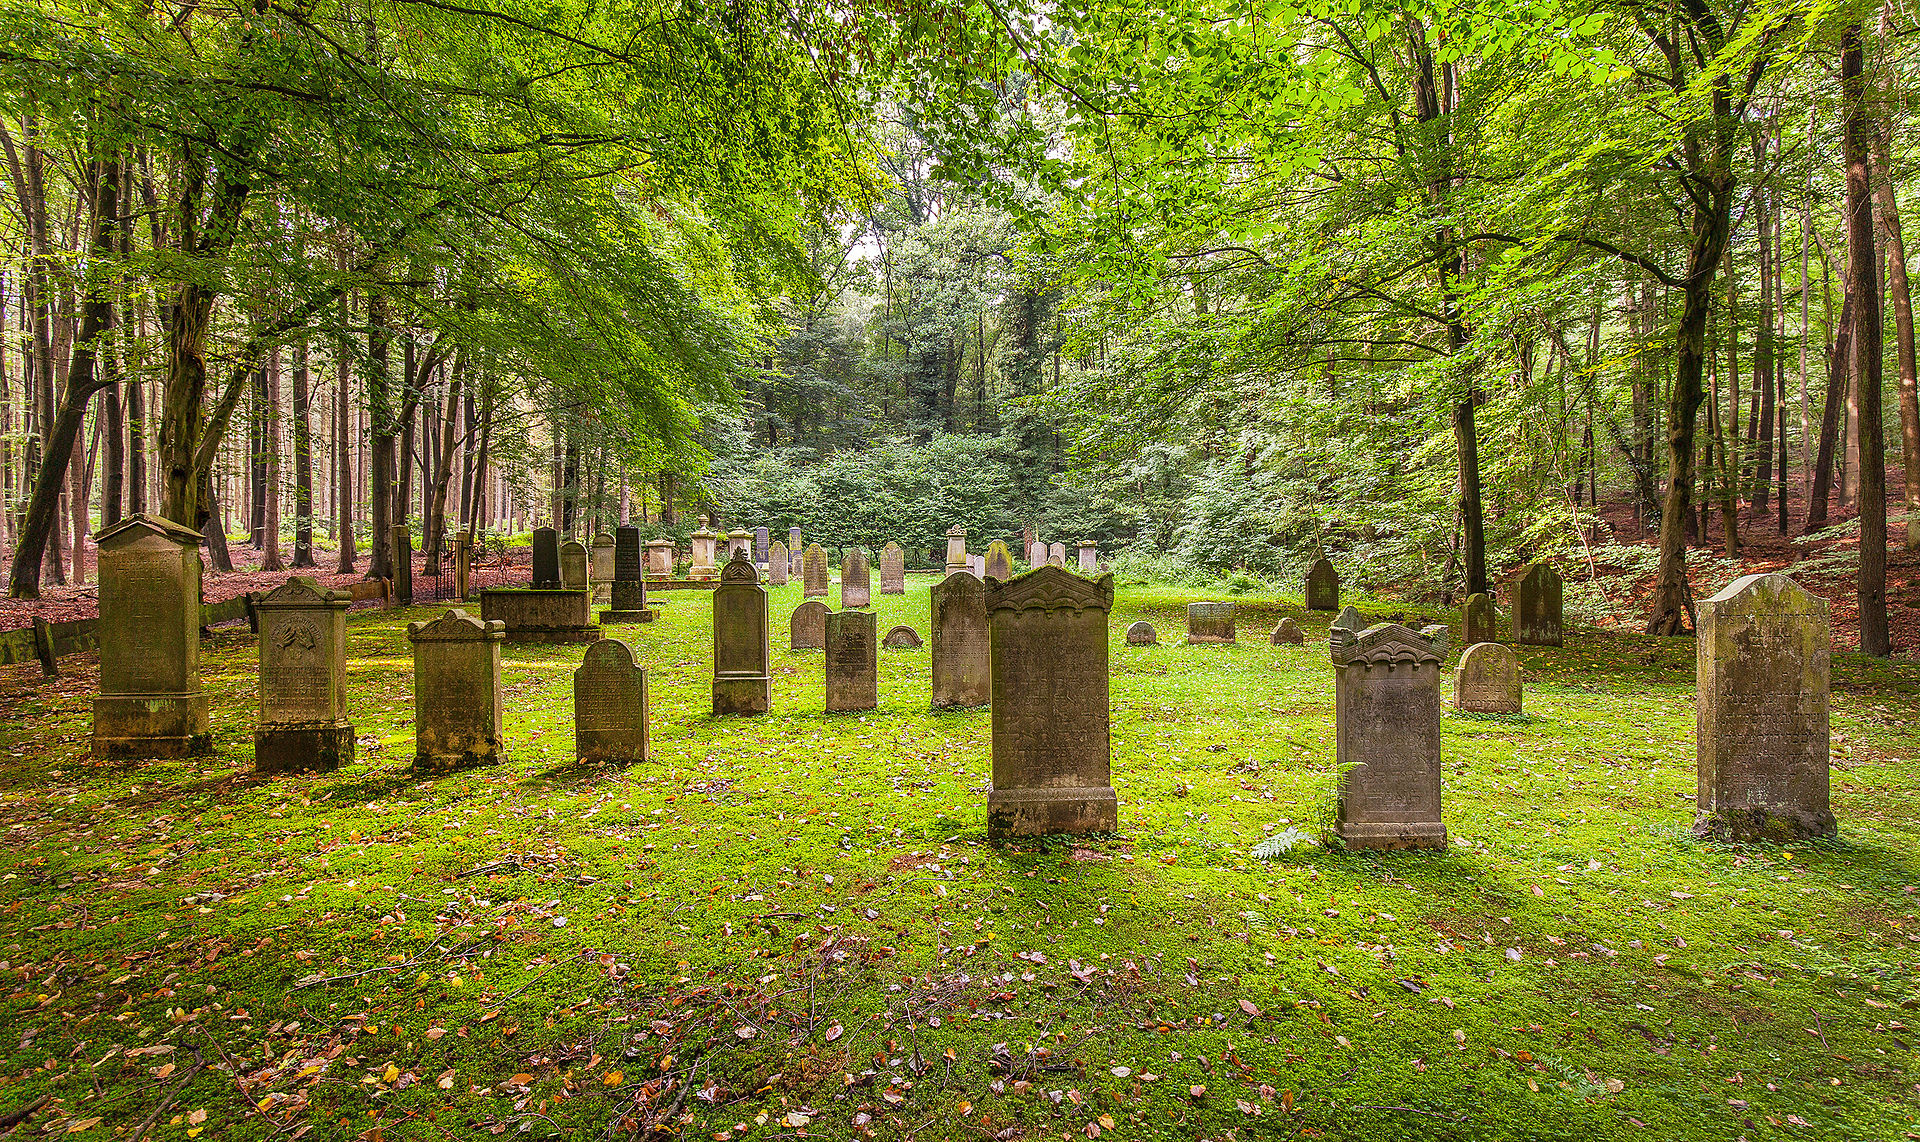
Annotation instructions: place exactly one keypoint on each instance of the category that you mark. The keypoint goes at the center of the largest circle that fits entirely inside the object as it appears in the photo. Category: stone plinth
(610, 705)
(807, 626)
(660, 558)
(856, 579)
(150, 703)
(1142, 634)
(536, 615)
(1089, 556)
(739, 542)
(704, 548)
(813, 572)
(956, 549)
(627, 592)
(853, 665)
(456, 692)
(1386, 714)
(962, 668)
(893, 570)
(999, 561)
(1210, 622)
(742, 680)
(1536, 607)
(546, 559)
(1323, 587)
(303, 725)
(1487, 681)
(1481, 619)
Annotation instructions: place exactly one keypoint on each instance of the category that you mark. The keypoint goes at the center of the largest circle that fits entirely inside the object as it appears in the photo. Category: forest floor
(795, 923)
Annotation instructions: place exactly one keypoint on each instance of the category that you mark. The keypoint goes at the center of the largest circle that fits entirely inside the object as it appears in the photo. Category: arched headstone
(1387, 736)
(742, 678)
(1536, 607)
(961, 667)
(610, 705)
(1323, 587)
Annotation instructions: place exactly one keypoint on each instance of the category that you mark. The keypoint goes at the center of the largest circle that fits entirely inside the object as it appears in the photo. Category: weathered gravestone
(533, 615)
(1057, 554)
(793, 541)
(573, 566)
(1210, 622)
(1487, 681)
(853, 664)
(962, 668)
(893, 570)
(1052, 750)
(742, 683)
(807, 627)
(1287, 632)
(739, 542)
(402, 566)
(627, 601)
(977, 566)
(762, 544)
(151, 703)
(610, 705)
(660, 558)
(856, 579)
(1536, 607)
(999, 561)
(456, 692)
(600, 567)
(1481, 619)
(1142, 634)
(1089, 557)
(1761, 743)
(1036, 554)
(813, 572)
(303, 726)
(902, 638)
(956, 549)
(1323, 587)
(546, 559)
(1349, 619)
(779, 565)
(1386, 715)
(704, 540)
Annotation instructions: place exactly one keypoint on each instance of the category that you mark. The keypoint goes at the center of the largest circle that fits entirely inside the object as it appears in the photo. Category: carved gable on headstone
(742, 681)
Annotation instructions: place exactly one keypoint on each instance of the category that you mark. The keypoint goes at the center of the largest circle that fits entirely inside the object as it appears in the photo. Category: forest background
(1432, 289)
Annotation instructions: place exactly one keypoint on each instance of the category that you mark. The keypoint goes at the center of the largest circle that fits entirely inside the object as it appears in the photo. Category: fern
(1282, 843)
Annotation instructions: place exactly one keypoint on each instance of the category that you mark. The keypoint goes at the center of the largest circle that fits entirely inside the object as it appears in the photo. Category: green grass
(798, 917)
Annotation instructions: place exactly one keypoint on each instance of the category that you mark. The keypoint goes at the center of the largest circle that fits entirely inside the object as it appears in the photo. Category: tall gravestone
(853, 662)
(762, 544)
(893, 570)
(610, 705)
(742, 681)
(151, 703)
(999, 563)
(807, 626)
(1052, 749)
(456, 692)
(1089, 557)
(1210, 622)
(600, 567)
(794, 546)
(813, 573)
(573, 566)
(704, 539)
(779, 565)
(1761, 744)
(962, 668)
(402, 566)
(1536, 607)
(1057, 554)
(627, 599)
(546, 559)
(856, 579)
(1036, 554)
(1386, 718)
(1481, 619)
(1487, 680)
(956, 549)
(303, 726)
(1323, 587)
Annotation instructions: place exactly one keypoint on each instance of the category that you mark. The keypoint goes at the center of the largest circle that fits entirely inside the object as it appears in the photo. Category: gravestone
(627, 599)
(1481, 619)
(610, 705)
(530, 615)
(456, 692)
(962, 668)
(704, 539)
(1036, 554)
(1057, 554)
(1536, 607)
(150, 703)
(779, 565)
(856, 580)
(1142, 634)
(1089, 557)
(660, 558)
(814, 577)
(303, 726)
(1210, 622)
(1287, 632)
(573, 566)
(1052, 749)
(807, 627)
(853, 665)
(977, 566)
(762, 544)
(740, 542)
(462, 565)
(1349, 619)
(402, 566)
(1386, 719)
(546, 559)
(600, 567)
(1323, 587)
(893, 570)
(742, 683)
(902, 638)
(1761, 745)
(956, 549)
(794, 546)
(999, 561)
(1487, 680)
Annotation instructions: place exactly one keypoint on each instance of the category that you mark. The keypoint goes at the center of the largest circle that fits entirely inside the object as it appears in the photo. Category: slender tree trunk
(1863, 283)
(302, 460)
(215, 528)
(1899, 294)
(436, 521)
(380, 480)
(270, 519)
(343, 439)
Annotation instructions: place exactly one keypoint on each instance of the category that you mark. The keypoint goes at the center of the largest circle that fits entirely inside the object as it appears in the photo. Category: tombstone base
(558, 636)
(616, 749)
(742, 695)
(1520, 639)
(1743, 826)
(643, 615)
(302, 749)
(487, 754)
(1205, 639)
(1388, 835)
(130, 727)
(1052, 809)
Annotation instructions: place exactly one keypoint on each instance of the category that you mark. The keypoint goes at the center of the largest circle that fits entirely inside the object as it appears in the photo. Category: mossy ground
(795, 922)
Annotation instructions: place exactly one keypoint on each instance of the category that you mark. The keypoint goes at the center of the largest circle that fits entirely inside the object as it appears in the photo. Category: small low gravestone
(1287, 632)
(1481, 619)
(1761, 743)
(151, 703)
(1210, 622)
(1089, 557)
(610, 705)
(779, 565)
(303, 726)
(956, 549)
(742, 682)
(961, 668)
(893, 570)
(628, 594)
(573, 565)
(856, 580)
(660, 558)
(456, 692)
(853, 665)
(999, 561)
(1387, 736)
(1323, 587)
(546, 559)
(600, 567)
(1536, 607)
(814, 573)
(1036, 554)
(1057, 554)
(1349, 619)
(807, 627)
(1142, 634)
(402, 566)
(1487, 681)
(902, 638)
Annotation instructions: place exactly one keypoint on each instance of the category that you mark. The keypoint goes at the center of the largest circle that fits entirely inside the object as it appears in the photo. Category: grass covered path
(795, 923)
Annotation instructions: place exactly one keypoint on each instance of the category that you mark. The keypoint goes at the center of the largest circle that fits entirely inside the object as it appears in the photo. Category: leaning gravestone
(1057, 554)
(956, 549)
(813, 571)
(627, 602)
(151, 703)
(303, 726)
(573, 566)
(1323, 587)
(456, 692)
(902, 638)
(1287, 632)
(1142, 634)
(742, 683)
(962, 671)
(610, 705)
(807, 627)
(999, 561)
(762, 544)
(1386, 716)
(1052, 750)
(402, 566)
(546, 559)
(1481, 619)
(1210, 622)
(779, 566)
(600, 567)
(893, 570)
(1761, 743)
(856, 580)
(1536, 607)
(853, 665)
(1487, 681)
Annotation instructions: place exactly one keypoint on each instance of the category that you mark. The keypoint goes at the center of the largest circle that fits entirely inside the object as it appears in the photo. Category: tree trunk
(343, 440)
(302, 459)
(270, 478)
(1901, 297)
(215, 528)
(1864, 285)
(381, 437)
(436, 521)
